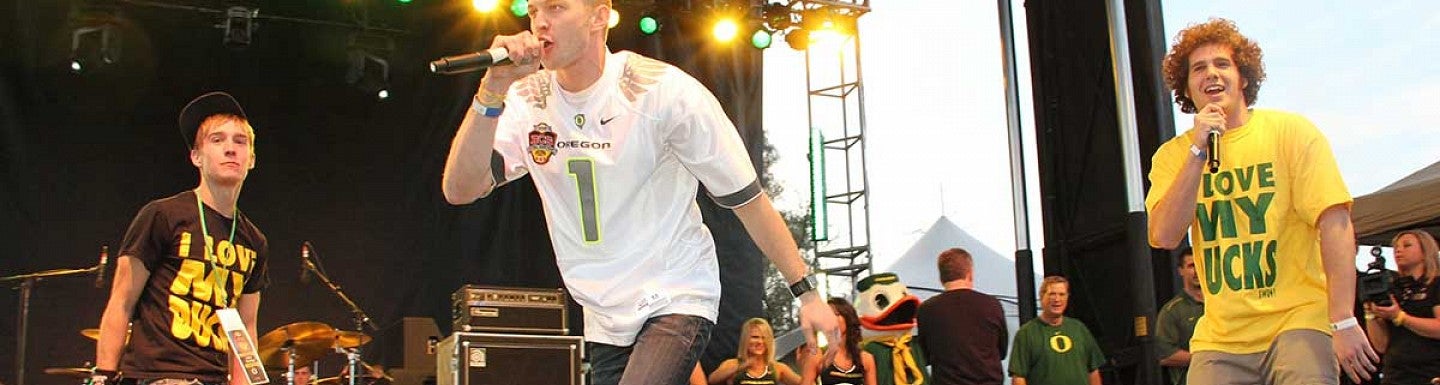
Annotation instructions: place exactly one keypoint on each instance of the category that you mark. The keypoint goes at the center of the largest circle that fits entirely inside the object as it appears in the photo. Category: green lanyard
(205, 232)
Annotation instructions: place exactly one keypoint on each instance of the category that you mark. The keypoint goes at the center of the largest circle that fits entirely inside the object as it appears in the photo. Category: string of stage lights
(95, 41)
(800, 21)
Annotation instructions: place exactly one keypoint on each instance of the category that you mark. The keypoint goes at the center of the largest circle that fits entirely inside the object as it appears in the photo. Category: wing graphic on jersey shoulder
(535, 89)
(641, 75)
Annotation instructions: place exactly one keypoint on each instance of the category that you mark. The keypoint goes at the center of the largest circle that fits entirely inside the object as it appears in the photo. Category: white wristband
(485, 110)
(1345, 324)
(1197, 151)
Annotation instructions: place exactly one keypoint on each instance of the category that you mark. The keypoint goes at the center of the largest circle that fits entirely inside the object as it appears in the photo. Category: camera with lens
(1375, 283)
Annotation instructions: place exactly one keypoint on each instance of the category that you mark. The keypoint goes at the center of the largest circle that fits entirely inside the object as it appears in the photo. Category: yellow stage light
(485, 5)
(725, 30)
(827, 40)
(614, 18)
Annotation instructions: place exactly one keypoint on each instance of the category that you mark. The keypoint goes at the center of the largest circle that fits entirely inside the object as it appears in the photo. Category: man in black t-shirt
(184, 259)
(962, 331)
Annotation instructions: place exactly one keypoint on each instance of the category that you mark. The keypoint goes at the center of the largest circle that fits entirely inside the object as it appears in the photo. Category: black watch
(804, 285)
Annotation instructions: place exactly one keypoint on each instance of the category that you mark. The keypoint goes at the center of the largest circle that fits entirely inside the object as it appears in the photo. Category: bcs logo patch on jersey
(542, 143)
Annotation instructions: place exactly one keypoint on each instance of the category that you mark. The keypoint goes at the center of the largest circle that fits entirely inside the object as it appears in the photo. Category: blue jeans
(665, 352)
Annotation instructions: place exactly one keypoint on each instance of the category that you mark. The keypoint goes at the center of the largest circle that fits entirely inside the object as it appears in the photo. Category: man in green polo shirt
(1177, 319)
(1054, 349)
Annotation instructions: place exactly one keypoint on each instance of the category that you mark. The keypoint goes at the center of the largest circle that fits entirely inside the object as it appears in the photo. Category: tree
(780, 307)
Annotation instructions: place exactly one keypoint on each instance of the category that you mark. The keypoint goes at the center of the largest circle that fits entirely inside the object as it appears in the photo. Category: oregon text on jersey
(584, 144)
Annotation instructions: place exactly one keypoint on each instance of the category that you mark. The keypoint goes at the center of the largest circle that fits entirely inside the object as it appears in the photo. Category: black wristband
(102, 377)
(804, 285)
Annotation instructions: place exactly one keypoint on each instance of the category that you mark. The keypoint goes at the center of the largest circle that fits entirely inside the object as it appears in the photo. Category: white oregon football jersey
(618, 166)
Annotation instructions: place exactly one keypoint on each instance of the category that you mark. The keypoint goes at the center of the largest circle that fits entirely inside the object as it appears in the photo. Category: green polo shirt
(1176, 324)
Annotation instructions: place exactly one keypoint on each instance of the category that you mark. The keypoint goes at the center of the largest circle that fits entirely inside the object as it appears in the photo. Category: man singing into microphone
(1271, 229)
(617, 144)
(184, 258)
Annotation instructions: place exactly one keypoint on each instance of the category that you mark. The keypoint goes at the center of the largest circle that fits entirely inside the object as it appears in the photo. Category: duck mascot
(887, 321)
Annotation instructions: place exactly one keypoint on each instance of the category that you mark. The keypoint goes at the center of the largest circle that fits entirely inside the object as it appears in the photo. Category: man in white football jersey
(617, 144)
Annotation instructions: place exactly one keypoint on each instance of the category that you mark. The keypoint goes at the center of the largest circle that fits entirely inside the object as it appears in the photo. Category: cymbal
(69, 372)
(326, 381)
(309, 340)
(94, 334)
(349, 339)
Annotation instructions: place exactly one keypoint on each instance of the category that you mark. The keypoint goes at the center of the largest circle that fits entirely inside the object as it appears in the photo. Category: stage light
(520, 8)
(484, 6)
(369, 73)
(777, 16)
(725, 30)
(94, 47)
(614, 18)
(827, 40)
(761, 38)
(239, 26)
(649, 25)
(368, 69)
(822, 29)
(798, 39)
(404, 1)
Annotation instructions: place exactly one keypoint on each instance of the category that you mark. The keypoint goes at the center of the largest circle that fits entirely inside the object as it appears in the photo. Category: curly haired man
(1273, 241)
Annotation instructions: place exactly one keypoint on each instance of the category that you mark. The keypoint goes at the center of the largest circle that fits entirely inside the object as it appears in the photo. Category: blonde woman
(754, 363)
(1407, 331)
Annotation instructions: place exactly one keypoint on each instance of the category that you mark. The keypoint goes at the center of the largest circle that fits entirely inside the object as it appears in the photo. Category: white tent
(994, 273)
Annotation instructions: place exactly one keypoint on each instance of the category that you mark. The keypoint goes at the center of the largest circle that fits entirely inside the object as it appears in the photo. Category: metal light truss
(839, 180)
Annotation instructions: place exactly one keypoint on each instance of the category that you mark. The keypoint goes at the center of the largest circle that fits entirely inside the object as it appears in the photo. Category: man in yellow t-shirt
(1270, 226)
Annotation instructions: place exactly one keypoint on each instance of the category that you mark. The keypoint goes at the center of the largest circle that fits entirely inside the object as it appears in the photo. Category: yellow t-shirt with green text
(1256, 246)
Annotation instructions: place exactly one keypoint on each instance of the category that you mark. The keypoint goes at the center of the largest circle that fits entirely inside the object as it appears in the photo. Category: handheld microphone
(305, 262)
(1214, 157)
(470, 62)
(100, 270)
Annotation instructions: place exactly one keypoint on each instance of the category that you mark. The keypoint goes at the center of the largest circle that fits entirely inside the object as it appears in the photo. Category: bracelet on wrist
(1399, 319)
(493, 112)
(1197, 152)
(804, 285)
(1345, 324)
(102, 377)
(488, 98)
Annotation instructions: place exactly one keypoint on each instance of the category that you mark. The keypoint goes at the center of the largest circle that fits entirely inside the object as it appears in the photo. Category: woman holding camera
(1406, 330)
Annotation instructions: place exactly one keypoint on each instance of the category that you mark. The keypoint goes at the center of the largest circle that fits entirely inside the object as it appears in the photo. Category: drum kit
(287, 348)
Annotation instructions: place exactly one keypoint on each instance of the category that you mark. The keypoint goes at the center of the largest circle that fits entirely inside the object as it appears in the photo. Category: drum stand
(361, 319)
(290, 362)
(27, 286)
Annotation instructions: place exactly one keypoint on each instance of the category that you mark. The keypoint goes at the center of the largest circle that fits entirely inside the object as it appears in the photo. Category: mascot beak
(899, 316)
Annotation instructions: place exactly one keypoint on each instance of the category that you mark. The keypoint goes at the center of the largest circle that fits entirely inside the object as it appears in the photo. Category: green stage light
(761, 39)
(649, 25)
(520, 8)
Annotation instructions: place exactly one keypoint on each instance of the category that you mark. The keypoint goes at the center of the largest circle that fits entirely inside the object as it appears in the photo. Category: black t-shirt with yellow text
(175, 329)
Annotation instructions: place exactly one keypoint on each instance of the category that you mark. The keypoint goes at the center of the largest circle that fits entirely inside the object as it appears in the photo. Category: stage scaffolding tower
(840, 203)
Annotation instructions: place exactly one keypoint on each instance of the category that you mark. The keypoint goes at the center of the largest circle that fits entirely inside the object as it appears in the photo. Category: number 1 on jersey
(583, 170)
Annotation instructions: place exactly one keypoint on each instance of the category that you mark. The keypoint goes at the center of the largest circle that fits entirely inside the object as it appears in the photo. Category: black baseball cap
(205, 106)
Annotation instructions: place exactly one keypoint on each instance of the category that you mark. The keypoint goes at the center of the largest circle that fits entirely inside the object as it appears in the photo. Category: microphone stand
(26, 284)
(361, 319)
